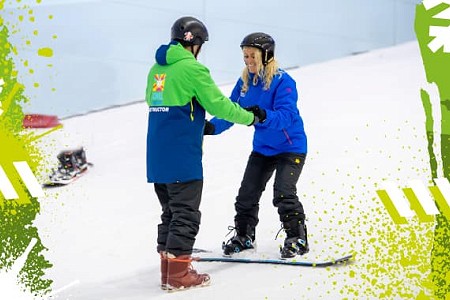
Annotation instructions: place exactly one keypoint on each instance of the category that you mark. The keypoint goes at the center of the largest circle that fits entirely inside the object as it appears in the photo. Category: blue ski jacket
(283, 130)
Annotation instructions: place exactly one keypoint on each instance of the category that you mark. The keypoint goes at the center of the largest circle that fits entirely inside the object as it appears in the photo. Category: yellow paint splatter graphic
(46, 52)
(392, 261)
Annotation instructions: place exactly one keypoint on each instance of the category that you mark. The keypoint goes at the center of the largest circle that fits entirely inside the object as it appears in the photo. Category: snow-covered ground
(365, 124)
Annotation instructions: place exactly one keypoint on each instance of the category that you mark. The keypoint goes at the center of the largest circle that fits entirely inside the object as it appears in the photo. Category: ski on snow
(292, 262)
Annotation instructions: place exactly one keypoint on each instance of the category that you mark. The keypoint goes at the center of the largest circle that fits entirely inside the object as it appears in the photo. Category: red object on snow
(40, 121)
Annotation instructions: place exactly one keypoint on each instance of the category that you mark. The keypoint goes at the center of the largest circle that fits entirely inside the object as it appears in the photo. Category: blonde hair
(264, 73)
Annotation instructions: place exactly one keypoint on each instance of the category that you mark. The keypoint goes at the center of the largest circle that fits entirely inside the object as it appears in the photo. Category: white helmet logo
(188, 36)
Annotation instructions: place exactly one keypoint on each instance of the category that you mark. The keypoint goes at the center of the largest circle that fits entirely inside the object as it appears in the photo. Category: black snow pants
(180, 218)
(259, 170)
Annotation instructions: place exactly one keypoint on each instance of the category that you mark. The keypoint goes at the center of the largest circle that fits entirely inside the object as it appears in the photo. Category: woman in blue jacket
(279, 146)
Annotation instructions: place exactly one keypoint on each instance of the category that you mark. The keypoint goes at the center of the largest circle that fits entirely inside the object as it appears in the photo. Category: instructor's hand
(259, 113)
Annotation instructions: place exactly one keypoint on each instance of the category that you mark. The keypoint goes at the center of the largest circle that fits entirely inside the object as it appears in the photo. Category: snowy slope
(364, 121)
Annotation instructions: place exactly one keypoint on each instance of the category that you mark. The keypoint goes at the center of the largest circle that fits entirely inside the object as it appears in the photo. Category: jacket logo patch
(158, 85)
(157, 90)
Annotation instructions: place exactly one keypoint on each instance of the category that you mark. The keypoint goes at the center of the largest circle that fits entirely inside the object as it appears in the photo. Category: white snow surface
(365, 124)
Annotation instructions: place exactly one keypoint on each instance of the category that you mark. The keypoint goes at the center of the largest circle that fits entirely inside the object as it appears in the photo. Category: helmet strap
(265, 57)
(197, 52)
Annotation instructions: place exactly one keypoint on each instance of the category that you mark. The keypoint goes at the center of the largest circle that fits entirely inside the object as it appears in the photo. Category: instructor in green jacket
(179, 91)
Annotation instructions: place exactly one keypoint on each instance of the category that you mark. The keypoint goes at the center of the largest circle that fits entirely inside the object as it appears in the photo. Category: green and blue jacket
(179, 90)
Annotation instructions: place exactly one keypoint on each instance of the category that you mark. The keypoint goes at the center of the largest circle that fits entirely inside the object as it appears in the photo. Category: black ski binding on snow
(72, 165)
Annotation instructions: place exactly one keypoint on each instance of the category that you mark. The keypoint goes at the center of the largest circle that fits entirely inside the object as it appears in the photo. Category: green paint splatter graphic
(17, 214)
(430, 27)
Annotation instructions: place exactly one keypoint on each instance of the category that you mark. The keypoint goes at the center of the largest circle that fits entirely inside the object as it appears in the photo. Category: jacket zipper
(192, 111)
(287, 136)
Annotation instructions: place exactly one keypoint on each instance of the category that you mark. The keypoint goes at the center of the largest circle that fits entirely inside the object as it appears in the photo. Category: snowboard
(59, 181)
(278, 261)
(208, 256)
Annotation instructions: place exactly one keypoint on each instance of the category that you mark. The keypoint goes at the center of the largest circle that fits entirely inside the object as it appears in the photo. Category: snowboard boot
(80, 157)
(164, 269)
(181, 275)
(296, 242)
(71, 164)
(67, 163)
(73, 161)
(244, 239)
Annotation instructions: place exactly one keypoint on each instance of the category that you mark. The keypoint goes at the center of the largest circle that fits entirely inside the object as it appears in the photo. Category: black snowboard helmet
(262, 41)
(189, 31)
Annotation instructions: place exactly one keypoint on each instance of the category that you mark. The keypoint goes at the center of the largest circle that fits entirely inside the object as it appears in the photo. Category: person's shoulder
(190, 64)
(197, 66)
(283, 76)
(240, 81)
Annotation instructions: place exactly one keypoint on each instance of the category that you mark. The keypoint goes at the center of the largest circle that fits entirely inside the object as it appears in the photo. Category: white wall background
(104, 49)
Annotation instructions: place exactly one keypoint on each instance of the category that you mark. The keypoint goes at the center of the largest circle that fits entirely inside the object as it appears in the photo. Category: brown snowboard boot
(164, 269)
(181, 275)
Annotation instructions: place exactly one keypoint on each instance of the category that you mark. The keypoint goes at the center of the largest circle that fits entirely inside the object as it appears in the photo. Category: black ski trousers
(180, 218)
(260, 168)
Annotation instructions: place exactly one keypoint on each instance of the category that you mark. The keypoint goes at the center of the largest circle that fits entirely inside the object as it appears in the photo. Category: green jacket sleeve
(213, 101)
